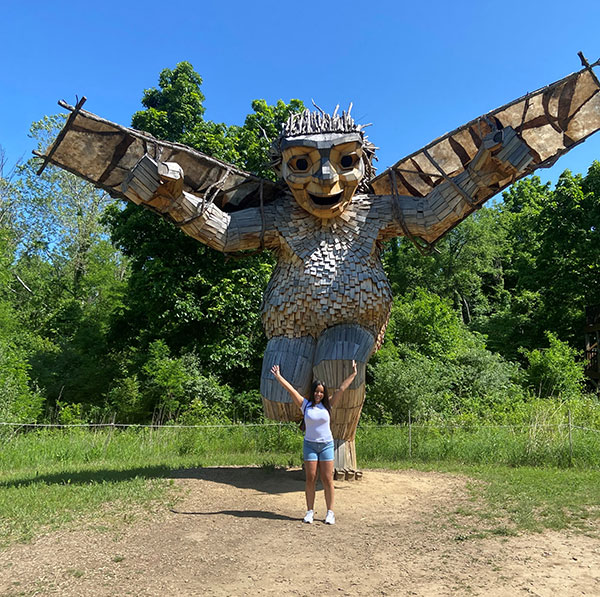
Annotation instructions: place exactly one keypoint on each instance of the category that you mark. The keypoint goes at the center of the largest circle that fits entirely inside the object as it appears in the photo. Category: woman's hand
(344, 385)
(296, 398)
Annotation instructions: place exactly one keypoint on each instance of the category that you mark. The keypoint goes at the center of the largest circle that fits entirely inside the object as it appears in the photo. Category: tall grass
(536, 444)
(136, 447)
(531, 445)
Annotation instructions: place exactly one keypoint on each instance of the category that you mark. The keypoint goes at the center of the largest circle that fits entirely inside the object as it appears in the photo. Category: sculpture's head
(323, 159)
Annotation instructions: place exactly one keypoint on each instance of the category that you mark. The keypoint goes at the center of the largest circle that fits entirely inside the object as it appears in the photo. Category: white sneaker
(309, 517)
(330, 518)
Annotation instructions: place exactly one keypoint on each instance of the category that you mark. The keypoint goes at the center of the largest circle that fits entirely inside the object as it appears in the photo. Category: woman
(318, 441)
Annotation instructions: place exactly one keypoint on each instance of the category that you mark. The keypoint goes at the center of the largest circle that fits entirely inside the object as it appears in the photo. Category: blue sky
(415, 70)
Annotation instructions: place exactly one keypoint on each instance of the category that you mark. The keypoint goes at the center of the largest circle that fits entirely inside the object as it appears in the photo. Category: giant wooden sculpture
(328, 300)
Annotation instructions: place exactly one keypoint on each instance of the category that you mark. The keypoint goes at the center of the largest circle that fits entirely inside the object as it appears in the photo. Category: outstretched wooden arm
(159, 186)
(439, 185)
(502, 154)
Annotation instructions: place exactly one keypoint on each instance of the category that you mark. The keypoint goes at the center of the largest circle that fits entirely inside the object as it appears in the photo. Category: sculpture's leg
(336, 349)
(295, 358)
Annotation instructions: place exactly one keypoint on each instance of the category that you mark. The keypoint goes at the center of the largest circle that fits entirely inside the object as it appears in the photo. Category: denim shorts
(317, 451)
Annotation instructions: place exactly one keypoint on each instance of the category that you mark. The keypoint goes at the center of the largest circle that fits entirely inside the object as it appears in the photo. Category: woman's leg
(310, 470)
(326, 470)
(337, 347)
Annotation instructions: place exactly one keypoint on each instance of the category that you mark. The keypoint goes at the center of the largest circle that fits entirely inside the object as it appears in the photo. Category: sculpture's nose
(326, 174)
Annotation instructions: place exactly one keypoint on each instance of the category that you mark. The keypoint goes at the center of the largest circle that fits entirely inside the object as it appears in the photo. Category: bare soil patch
(238, 531)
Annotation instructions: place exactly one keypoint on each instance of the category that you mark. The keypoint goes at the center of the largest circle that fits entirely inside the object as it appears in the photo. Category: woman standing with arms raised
(318, 441)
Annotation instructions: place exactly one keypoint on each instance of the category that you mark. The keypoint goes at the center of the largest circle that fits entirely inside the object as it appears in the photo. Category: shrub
(444, 371)
(554, 372)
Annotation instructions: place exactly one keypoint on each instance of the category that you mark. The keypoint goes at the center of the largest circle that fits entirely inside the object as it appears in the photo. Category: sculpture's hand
(503, 154)
(171, 180)
(160, 186)
(157, 183)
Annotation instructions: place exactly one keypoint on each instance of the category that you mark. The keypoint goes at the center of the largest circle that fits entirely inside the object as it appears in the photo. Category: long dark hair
(325, 401)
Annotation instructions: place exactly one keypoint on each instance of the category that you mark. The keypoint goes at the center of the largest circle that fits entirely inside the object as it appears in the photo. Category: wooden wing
(551, 121)
(103, 153)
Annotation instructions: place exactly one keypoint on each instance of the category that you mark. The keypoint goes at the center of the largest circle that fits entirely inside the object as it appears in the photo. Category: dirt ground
(238, 531)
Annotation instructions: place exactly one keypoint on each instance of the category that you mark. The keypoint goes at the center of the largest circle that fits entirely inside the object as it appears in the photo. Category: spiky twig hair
(313, 123)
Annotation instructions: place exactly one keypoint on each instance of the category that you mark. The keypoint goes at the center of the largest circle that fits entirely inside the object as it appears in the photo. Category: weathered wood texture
(328, 271)
(345, 455)
(104, 153)
(328, 360)
(550, 121)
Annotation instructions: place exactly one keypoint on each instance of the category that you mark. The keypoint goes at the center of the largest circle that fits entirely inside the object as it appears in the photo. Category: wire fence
(409, 425)
(135, 426)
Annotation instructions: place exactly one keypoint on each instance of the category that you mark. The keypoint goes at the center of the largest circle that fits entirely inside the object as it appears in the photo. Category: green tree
(555, 371)
(19, 400)
(190, 296)
(175, 109)
(432, 365)
(466, 267)
(551, 262)
(71, 278)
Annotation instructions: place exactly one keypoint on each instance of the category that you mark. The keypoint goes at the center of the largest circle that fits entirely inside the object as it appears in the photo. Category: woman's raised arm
(296, 397)
(345, 385)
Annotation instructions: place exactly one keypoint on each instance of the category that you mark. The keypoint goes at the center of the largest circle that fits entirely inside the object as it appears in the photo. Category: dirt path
(237, 531)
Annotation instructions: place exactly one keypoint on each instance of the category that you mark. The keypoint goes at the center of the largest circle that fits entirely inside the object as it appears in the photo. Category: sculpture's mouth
(327, 200)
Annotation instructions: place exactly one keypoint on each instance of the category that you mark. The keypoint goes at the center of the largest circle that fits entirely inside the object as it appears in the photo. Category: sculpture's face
(323, 170)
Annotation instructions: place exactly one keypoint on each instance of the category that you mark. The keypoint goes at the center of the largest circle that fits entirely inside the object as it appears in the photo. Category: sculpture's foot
(344, 456)
(347, 475)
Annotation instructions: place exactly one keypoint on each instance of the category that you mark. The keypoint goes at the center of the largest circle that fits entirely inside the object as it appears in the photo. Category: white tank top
(317, 422)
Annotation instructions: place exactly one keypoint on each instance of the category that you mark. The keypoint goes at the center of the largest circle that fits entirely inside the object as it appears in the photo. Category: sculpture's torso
(328, 272)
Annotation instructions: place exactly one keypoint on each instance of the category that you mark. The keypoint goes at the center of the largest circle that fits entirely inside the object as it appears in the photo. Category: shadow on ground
(241, 514)
(267, 480)
(83, 477)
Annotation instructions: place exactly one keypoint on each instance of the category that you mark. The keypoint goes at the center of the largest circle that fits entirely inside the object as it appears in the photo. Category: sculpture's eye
(299, 164)
(348, 161)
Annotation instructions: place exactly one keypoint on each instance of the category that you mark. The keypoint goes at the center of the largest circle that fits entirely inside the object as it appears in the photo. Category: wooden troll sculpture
(328, 301)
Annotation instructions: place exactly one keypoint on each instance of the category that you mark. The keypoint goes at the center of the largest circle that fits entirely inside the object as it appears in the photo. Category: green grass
(48, 479)
(504, 501)
(511, 446)
(523, 479)
(520, 481)
(535, 499)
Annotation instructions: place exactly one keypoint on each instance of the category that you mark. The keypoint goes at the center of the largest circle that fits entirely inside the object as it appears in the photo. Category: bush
(126, 400)
(18, 402)
(444, 371)
(554, 372)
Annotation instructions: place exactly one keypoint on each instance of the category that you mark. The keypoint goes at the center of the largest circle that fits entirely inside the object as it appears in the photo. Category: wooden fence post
(409, 436)
(109, 436)
(570, 439)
